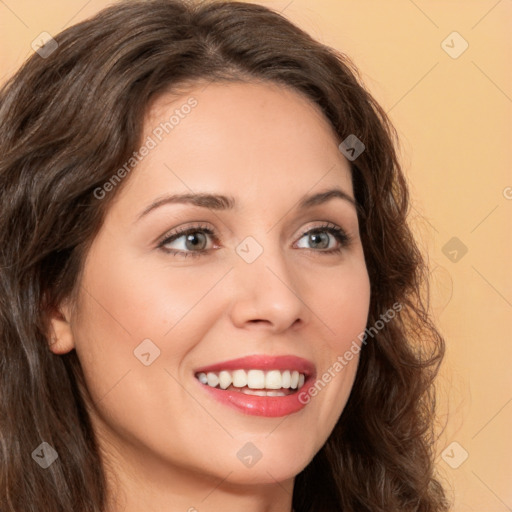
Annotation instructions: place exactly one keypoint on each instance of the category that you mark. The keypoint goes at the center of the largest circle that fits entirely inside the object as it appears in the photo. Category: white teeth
(239, 378)
(254, 380)
(224, 379)
(273, 379)
(213, 379)
(275, 393)
(259, 392)
(286, 379)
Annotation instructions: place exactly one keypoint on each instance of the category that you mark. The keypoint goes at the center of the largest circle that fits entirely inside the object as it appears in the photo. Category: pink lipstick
(260, 385)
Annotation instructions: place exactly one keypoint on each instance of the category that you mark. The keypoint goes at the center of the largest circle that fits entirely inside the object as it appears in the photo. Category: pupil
(193, 239)
(317, 238)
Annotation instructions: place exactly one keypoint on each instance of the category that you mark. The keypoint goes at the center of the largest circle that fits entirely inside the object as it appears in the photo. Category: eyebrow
(222, 202)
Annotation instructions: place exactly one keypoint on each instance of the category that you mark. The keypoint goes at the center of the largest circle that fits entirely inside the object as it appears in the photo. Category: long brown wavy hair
(69, 121)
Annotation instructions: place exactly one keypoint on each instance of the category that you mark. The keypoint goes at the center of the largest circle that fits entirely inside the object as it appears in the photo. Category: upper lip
(263, 362)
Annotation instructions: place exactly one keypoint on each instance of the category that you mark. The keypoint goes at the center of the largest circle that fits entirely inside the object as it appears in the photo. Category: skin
(167, 445)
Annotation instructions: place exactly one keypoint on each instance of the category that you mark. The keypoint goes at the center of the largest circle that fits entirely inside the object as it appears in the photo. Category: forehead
(246, 110)
(241, 139)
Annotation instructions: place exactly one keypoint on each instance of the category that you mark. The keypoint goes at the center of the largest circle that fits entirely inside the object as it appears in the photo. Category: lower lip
(269, 406)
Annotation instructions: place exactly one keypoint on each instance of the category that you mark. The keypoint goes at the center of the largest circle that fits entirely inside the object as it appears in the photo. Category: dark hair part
(69, 121)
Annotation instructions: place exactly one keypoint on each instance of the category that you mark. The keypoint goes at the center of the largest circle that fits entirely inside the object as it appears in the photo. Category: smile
(258, 385)
(255, 382)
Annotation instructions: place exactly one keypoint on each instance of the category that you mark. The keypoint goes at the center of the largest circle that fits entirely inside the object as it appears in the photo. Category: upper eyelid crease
(222, 202)
(181, 231)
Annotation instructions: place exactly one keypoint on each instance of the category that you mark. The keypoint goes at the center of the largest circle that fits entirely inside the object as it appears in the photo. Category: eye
(188, 241)
(320, 238)
(193, 241)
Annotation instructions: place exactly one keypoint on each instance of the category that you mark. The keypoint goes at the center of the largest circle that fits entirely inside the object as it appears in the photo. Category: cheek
(342, 305)
(127, 301)
(343, 309)
(124, 304)
(121, 312)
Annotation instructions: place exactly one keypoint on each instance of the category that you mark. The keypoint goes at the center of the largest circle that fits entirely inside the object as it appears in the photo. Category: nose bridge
(266, 286)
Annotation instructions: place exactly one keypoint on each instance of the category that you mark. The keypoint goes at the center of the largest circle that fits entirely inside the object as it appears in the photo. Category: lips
(259, 385)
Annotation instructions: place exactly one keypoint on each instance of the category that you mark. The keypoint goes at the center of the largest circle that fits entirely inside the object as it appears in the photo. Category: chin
(274, 464)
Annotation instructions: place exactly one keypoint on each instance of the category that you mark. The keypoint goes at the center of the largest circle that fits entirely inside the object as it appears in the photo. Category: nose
(268, 293)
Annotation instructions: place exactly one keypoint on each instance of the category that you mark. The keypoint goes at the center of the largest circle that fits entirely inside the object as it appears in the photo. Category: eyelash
(339, 234)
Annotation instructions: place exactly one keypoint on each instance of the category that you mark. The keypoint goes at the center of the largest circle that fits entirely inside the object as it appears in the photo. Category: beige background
(454, 119)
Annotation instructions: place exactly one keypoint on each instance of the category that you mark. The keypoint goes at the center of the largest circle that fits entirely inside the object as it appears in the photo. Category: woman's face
(263, 276)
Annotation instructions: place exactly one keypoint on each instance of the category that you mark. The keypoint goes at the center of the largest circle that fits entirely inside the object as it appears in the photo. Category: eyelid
(326, 224)
(183, 230)
(344, 238)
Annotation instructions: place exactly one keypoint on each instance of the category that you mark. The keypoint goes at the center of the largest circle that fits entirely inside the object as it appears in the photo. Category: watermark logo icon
(147, 352)
(454, 455)
(249, 249)
(249, 455)
(44, 45)
(454, 45)
(454, 249)
(352, 147)
(45, 455)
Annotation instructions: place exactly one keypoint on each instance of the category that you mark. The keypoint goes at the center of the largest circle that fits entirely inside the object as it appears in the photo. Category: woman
(210, 297)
